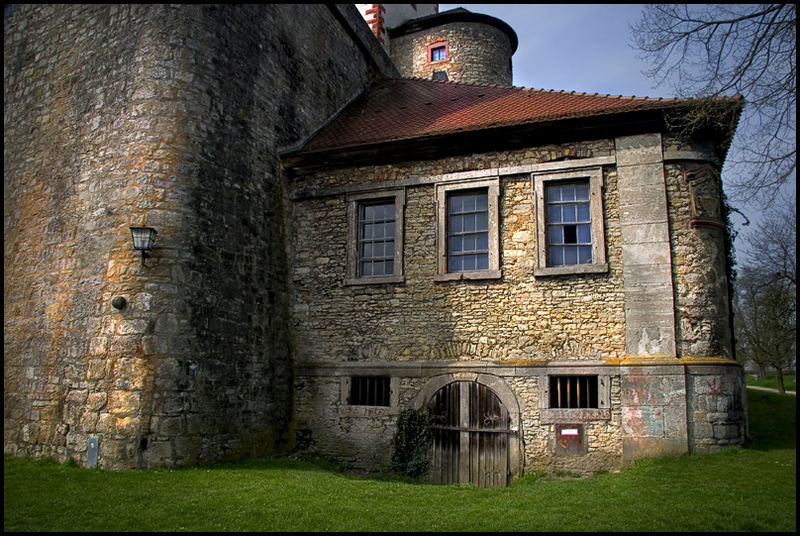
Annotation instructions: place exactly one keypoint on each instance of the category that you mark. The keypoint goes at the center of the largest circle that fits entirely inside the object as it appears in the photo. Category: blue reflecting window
(468, 231)
(439, 53)
(569, 223)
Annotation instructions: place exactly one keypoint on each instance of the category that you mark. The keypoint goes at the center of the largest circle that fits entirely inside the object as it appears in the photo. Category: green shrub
(411, 443)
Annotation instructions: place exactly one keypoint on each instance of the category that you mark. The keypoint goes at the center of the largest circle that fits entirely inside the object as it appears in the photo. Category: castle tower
(455, 45)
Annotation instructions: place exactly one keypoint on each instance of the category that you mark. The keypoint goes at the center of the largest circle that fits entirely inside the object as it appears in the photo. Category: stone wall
(512, 328)
(522, 327)
(172, 117)
(477, 53)
(699, 260)
(516, 317)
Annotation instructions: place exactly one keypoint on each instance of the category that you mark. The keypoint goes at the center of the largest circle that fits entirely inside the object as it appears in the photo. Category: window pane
(469, 203)
(366, 268)
(552, 193)
(469, 223)
(482, 202)
(483, 242)
(556, 235)
(456, 224)
(569, 213)
(582, 191)
(468, 243)
(554, 214)
(388, 267)
(583, 212)
(568, 192)
(455, 204)
(570, 255)
(570, 234)
(556, 255)
(483, 261)
(585, 254)
(455, 244)
(455, 264)
(585, 234)
(482, 221)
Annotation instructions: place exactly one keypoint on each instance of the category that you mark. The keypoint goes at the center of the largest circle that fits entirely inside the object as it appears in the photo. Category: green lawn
(789, 382)
(750, 489)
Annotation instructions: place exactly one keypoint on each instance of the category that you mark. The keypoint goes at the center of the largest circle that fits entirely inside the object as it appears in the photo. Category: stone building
(345, 232)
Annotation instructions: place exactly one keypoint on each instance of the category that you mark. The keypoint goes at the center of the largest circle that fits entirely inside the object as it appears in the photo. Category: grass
(749, 489)
(789, 382)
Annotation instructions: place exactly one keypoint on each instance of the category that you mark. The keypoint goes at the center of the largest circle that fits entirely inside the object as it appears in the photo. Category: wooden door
(469, 431)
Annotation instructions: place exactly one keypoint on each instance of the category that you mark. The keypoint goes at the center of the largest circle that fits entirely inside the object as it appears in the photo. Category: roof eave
(498, 138)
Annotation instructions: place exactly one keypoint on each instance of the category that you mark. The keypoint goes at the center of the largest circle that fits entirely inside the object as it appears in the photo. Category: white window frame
(442, 190)
(595, 178)
(354, 202)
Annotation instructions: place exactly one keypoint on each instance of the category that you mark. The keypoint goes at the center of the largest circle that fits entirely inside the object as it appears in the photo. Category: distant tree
(766, 294)
(712, 50)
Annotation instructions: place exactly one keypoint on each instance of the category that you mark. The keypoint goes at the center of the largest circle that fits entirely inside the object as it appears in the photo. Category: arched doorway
(470, 430)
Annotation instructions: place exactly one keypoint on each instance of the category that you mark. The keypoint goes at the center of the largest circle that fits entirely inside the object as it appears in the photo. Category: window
(437, 52)
(571, 236)
(573, 398)
(468, 230)
(569, 223)
(375, 246)
(467, 234)
(370, 391)
(376, 238)
(573, 392)
(440, 76)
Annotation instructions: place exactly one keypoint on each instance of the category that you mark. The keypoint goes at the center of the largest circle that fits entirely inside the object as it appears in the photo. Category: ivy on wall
(411, 444)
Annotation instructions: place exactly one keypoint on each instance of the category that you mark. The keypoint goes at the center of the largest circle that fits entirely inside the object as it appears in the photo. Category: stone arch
(507, 397)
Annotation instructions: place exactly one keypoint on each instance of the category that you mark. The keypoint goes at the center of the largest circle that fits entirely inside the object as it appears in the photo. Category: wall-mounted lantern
(143, 239)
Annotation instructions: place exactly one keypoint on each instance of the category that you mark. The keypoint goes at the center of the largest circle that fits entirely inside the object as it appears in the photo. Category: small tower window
(440, 75)
(437, 52)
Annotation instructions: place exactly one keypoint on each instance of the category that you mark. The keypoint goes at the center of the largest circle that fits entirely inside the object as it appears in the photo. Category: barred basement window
(572, 392)
(369, 391)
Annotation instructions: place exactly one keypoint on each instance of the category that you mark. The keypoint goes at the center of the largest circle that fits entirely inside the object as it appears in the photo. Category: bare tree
(766, 294)
(713, 50)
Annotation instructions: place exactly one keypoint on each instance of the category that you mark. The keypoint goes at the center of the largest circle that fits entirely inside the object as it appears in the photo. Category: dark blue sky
(575, 47)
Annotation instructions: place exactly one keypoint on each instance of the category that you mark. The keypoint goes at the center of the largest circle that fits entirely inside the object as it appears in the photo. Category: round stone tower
(455, 45)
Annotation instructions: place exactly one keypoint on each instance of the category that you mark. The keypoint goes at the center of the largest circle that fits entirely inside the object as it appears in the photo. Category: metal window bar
(369, 391)
(572, 392)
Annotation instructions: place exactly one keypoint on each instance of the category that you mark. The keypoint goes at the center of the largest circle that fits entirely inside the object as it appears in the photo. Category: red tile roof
(400, 109)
